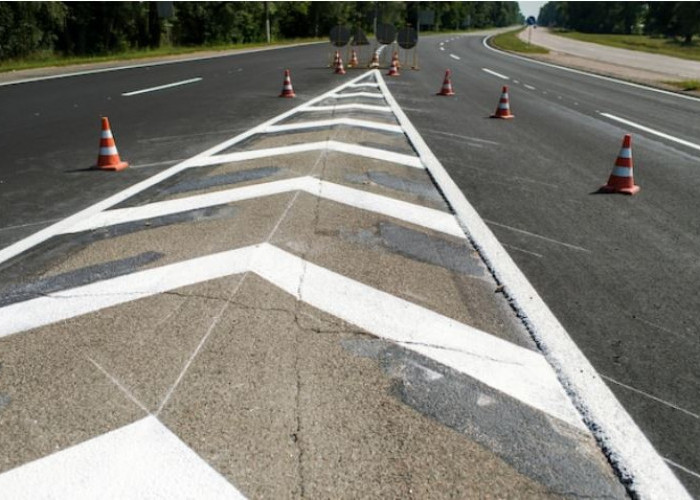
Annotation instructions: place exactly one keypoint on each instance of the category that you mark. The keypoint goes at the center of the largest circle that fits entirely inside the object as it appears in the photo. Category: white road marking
(652, 131)
(348, 107)
(630, 451)
(364, 84)
(408, 212)
(684, 469)
(491, 72)
(162, 87)
(350, 122)
(455, 57)
(371, 95)
(63, 224)
(518, 372)
(647, 395)
(591, 75)
(339, 147)
(544, 238)
(140, 460)
(442, 48)
(539, 256)
(529, 87)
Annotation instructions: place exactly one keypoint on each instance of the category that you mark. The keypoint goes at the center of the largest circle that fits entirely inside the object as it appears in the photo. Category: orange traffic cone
(287, 90)
(339, 69)
(503, 109)
(374, 63)
(335, 59)
(395, 57)
(354, 63)
(621, 180)
(446, 85)
(394, 70)
(108, 157)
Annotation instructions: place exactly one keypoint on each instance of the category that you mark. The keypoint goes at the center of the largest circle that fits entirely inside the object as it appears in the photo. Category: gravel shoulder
(629, 65)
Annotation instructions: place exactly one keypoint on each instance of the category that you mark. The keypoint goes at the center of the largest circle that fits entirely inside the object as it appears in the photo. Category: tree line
(669, 19)
(98, 28)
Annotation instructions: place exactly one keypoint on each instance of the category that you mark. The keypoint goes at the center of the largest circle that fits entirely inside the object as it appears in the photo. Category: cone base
(612, 189)
(445, 93)
(291, 94)
(503, 117)
(113, 167)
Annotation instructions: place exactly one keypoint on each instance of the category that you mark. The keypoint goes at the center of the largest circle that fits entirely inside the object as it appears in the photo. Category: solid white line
(62, 225)
(491, 72)
(516, 371)
(348, 107)
(340, 147)
(528, 233)
(455, 57)
(398, 209)
(350, 122)
(161, 87)
(627, 447)
(646, 394)
(651, 131)
(140, 460)
(484, 42)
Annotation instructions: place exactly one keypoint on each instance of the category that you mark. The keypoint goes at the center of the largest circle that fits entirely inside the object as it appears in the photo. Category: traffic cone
(374, 63)
(108, 157)
(446, 85)
(395, 57)
(394, 70)
(335, 59)
(353, 60)
(503, 109)
(339, 69)
(287, 90)
(621, 180)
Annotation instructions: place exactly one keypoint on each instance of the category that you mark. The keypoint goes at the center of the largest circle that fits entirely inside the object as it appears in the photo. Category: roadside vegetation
(669, 28)
(657, 45)
(51, 33)
(687, 85)
(510, 41)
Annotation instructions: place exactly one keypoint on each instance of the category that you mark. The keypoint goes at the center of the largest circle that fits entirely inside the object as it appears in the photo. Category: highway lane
(49, 133)
(620, 273)
(530, 179)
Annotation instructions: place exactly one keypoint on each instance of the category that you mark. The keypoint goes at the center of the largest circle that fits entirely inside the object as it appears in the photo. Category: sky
(530, 8)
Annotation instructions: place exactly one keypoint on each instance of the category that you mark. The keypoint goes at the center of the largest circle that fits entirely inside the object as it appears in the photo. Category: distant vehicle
(531, 21)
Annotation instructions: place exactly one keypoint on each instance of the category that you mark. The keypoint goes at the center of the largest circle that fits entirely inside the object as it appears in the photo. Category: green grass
(510, 41)
(642, 43)
(686, 84)
(50, 59)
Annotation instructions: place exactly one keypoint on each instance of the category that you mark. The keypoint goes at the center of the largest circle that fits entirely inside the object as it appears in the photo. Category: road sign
(407, 38)
(359, 37)
(386, 34)
(340, 36)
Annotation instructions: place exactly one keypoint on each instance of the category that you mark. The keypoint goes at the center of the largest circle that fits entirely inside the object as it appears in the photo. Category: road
(620, 273)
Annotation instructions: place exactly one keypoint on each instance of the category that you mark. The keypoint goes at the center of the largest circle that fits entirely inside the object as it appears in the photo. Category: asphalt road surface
(619, 272)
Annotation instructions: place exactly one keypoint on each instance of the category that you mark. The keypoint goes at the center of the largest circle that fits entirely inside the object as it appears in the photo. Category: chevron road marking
(521, 373)
(415, 214)
(370, 95)
(140, 460)
(340, 147)
(350, 122)
(349, 107)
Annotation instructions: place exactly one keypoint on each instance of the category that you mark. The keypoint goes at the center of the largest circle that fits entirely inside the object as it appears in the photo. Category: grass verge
(510, 41)
(50, 59)
(686, 84)
(642, 43)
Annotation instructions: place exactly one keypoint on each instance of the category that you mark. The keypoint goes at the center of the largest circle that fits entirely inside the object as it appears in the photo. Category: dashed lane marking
(499, 75)
(162, 87)
(455, 57)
